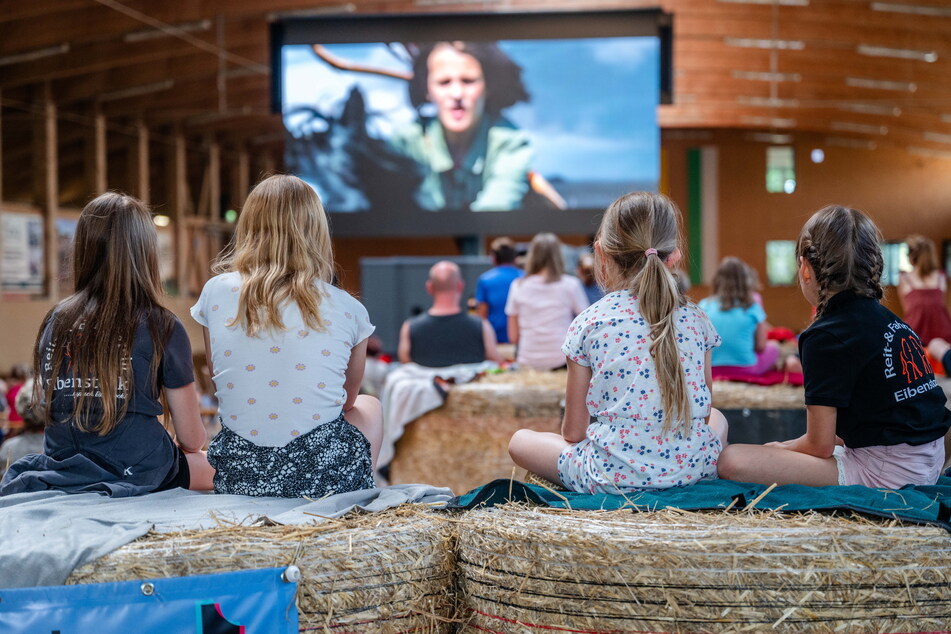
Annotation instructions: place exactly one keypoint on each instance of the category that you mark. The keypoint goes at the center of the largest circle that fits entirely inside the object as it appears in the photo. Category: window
(781, 265)
(780, 169)
(895, 255)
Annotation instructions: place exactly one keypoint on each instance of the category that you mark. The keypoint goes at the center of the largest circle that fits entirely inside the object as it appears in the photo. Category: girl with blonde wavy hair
(637, 402)
(287, 351)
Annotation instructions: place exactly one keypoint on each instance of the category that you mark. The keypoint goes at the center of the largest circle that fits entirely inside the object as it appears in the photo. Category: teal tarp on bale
(918, 504)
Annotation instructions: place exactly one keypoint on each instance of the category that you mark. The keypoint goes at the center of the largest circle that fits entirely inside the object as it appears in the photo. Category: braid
(842, 247)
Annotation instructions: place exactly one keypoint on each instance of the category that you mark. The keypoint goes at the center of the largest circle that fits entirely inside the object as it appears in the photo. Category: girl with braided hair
(637, 402)
(874, 414)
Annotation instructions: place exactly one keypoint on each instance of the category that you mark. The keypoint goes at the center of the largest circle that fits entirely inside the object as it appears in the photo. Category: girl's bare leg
(201, 473)
(767, 465)
(367, 416)
(538, 452)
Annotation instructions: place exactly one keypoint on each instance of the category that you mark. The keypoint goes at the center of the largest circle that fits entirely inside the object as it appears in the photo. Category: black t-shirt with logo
(139, 449)
(860, 358)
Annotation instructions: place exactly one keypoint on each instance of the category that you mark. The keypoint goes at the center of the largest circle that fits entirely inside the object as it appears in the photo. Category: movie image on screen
(473, 126)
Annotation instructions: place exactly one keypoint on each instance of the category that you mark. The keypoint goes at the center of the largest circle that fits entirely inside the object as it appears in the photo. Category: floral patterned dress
(625, 446)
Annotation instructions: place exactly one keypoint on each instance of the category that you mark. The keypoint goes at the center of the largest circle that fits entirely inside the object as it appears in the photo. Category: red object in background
(780, 333)
(385, 358)
(773, 377)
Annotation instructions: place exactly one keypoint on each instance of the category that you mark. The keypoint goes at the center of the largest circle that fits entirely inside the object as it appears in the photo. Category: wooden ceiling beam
(110, 55)
(189, 66)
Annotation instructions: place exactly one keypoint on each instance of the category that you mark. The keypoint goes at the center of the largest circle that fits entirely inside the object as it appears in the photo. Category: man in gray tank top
(445, 335)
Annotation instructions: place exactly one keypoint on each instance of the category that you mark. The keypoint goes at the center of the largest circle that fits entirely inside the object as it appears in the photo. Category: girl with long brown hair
(637, 402)
(105, 356)
(287, 352)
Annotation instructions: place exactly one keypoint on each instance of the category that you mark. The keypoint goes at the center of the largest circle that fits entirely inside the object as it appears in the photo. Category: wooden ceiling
(875, 74)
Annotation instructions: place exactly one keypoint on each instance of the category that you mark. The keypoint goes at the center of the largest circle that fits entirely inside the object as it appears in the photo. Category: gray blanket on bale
(45, 535)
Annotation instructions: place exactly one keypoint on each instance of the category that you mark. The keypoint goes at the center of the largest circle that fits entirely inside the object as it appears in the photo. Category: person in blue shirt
(492, 289)
(740, 321)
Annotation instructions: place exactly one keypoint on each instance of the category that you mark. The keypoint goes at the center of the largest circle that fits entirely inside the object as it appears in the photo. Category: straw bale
(736, 395)
(378, 573)
(464, 443)
(542, 570)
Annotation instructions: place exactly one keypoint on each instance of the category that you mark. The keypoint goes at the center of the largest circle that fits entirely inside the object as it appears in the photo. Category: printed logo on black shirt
(911, 362)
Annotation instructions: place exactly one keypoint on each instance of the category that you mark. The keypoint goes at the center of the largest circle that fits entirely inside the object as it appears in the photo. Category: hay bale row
(541, 570)
(387, 572)
(464, 443)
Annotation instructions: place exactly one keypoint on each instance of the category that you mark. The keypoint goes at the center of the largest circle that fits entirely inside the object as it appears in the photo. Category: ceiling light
(774, 139)
(862, 144)
(879, 84)
(349, 7)
(924, 151)
(137, 91)
(937, 137)
(748, 42)
(35, 54)
(151, 34)
(768, 102)
(900, 53)
(869, 108)
(861, 128)
(761, 76)
(942, 12)
(772, 122)
(788, 3)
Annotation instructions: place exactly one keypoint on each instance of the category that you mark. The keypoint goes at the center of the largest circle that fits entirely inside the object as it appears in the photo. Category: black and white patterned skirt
(333, 458)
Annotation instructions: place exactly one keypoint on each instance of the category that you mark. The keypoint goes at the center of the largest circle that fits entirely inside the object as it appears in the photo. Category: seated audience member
(492, 290)
(542, 305)
(863, 426)
(586, 275)
(445, 334)
(740, 321)
(287, 351)
(31, 440)
(19, 373)
(922, 290)
(112, 360)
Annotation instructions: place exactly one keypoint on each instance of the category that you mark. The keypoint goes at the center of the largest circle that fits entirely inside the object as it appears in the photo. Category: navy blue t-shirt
(860, 358)
(138, 449)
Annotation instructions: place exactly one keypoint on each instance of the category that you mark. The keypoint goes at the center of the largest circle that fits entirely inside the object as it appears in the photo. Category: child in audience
(287, 353)
(541, 305)
(740, 321)
(874, 414)
(922, 291)
(104, 357)
(19, 373)
(31, 440)
(637, 403)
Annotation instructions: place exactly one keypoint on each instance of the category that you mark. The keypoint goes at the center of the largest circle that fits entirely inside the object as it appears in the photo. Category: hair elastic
(650, 252)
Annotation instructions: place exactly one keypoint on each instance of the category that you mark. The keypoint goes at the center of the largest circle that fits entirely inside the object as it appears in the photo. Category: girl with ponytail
(637, 402)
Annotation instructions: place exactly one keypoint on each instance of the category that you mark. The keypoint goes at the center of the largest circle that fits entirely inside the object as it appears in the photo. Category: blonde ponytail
(638, 233)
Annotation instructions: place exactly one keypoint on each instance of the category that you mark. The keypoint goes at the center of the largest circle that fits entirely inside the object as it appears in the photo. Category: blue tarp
(918, 504)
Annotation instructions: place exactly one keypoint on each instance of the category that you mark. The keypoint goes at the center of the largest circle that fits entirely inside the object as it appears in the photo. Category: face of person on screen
(456, 86)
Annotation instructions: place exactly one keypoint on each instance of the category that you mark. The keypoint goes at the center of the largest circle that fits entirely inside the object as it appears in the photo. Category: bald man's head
(444, 276)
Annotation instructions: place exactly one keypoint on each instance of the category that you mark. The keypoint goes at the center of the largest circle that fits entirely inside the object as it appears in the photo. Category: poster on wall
(22, 264)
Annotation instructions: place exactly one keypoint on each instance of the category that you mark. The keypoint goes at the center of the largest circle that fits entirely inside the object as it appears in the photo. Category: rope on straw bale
(385, 572)
(543, 570)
